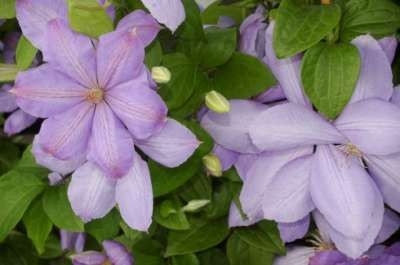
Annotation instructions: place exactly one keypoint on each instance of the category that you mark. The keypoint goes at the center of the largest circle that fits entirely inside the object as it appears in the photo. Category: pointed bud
(217, 102)
(195, 205)
(213, 165)
(160, 74)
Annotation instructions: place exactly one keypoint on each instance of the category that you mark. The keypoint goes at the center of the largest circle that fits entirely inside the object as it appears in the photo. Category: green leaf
(213, 12)
(168, 214)
(153, 55)
(28, 164)
(241, 253)
(17, 191)
(300, 26)
(264, 235)
(222, 196)
(38, 225)
(329, 74)
(212, 256)
(192, 27)
(376, 17)
(8, 72)
(58, 209)
(7, 8)
(9, 155)
(243, 76)
(148, 252)
(200, 237)
(189, 259)
(52, 248)
(198, 188)
(215, 50)
(131, 234)
(17, 250)
(104, 228)
(25, 53)
(89, 17)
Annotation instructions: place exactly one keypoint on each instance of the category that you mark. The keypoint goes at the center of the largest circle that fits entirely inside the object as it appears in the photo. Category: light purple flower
(171, 13)
(72, 241)
(114, 253)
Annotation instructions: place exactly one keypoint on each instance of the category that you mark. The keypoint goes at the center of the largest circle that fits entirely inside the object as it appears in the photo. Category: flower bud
(160, 74)
(217, 102)
(195, 205)
(213, 165)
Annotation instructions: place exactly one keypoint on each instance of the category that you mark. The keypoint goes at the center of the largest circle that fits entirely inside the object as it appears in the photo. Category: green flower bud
(160, 74)
(213, 165)
(217, 102)
(195, 205)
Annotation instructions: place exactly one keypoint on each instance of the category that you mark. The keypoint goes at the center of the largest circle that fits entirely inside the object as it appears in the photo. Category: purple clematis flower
(18, 120)
(114, 254)
(171, 13)
(99, 104)
(72, 241)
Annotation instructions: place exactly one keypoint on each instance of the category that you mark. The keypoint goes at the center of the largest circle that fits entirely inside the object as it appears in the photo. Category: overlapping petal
(227, 157)
(172, 146)
(372, 125)
(44, 92)
(120, 56)
(273, 94)
(171, 13)
(66, 135)
(231, 130)
(134, 195)
(89, 258)
(389, 45)
(71, 53)
(7, 99)
(290, 232)
(117, 253)
(291, 125)
(375, 80)
(287, 197)
(296, 256)
(91, 193)
(251, 33)
(140, 108)
(390, 224)
(145, 26)
(329, 257)
(342, 191)
(33, 16)
(111, 145)
(17, 122)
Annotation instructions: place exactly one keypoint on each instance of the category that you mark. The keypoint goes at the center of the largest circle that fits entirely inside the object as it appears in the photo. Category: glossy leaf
(168, 214)
(25, 53)
(9, 154)
(189, 259)
(7, 8)
(105, 228)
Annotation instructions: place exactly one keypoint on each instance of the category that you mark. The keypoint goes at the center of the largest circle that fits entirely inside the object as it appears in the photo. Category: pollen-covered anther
(95, 95)
(351, 149)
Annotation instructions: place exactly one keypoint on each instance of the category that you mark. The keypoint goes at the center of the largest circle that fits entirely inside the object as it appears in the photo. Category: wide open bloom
(114, 254)
(98, 104)
(18, 120)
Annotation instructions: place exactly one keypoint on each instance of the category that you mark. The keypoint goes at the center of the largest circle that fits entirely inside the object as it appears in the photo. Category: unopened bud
(195, 205)
(160, 74)
(213, 165)
(216, 102)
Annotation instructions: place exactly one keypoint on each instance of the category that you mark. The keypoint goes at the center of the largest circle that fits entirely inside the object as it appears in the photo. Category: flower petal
(117, 253)
(33, 16)
(328, 257)
(372, 119)
(259, 176)
(296, 256)
(141, 109)
(71, 53)
(273, 94)
(385, 171)
(88, 258)
(66, 135)
(91, 193)
(44, 92)
(287, 71)
(375, 80)
(244, 162)
(168, 12)
(227, 157)
(64, 167)
(120, 56)
(230, 130)
(391, 223)
(17, 122)
(389, 45)
(172, 146)
(7, 99)
(134, 196)
(111, 146)
(250, 31)
(144, 24)
(342, 191)
(287, 197)
(396, 96)
(291, 125)
(290, 232)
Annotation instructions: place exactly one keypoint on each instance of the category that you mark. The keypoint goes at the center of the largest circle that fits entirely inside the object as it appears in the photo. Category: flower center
(315, 239)
(95, 95)
(351, 149)
(107, 262)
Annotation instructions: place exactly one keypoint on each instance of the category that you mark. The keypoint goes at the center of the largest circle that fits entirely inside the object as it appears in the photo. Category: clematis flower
(72, 241)
(18, 120)
(114, 254)
(171, 13)
(98, 104)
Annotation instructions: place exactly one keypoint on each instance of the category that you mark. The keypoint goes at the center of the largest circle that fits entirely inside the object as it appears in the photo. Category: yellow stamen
(95, 95)
(351, 149)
